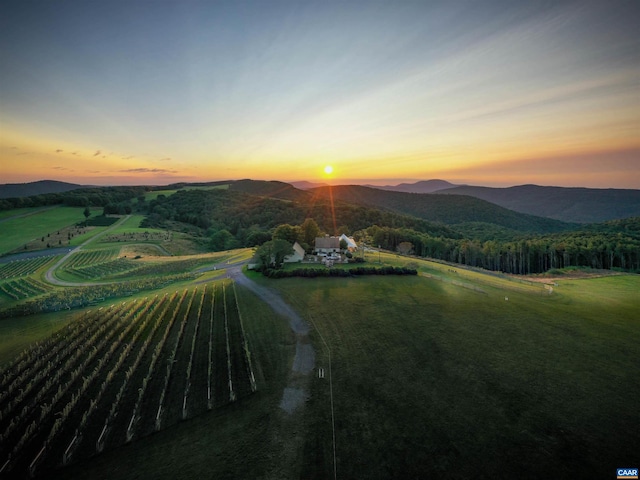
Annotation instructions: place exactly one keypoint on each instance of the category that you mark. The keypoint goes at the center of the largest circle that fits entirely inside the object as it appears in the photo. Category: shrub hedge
(338, 272)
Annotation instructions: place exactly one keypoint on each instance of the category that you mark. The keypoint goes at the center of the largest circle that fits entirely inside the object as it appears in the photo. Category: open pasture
(132, 226)
(433, 380)
(120, 373)
(15, 212)
(18, 231)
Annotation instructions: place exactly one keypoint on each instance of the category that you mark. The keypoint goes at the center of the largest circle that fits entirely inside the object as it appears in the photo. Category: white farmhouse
(327, 246)
(297, 255)
(351, 243)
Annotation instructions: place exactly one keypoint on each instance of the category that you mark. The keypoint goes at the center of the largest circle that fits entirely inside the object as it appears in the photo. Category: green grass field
(432, 380)
(18, 231)
(21, 211)
(131, 224)
(154, 195)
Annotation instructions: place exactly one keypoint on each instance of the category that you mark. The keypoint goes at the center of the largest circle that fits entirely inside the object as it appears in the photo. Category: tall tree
(273, 253)
(310, 231)
(87, 214)
(287, 232)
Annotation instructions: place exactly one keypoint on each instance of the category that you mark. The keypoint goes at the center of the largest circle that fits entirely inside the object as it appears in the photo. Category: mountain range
(581, 205)
(446, 209)
(578, 205)
(423, 186)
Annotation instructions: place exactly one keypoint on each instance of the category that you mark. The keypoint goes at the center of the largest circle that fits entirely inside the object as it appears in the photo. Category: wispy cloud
(148, 170)
(98, 152)
(59, 151)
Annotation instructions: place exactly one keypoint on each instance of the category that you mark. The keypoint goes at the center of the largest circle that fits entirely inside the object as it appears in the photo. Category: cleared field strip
(20, 230)
(119, 373)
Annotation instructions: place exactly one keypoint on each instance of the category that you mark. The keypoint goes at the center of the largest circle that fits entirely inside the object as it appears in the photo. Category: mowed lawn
(17, 231)
(432, 380)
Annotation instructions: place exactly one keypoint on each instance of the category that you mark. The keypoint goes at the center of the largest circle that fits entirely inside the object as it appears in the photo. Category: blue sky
(494, 93)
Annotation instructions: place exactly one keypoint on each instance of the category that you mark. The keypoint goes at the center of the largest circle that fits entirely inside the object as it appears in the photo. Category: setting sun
(328, 170)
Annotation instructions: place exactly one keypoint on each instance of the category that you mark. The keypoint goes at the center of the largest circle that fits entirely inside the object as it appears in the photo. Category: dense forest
(611, 245)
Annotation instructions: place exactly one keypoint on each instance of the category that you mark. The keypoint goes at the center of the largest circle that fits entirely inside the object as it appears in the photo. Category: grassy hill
(16, 190)
(447, 209)
(583, 205)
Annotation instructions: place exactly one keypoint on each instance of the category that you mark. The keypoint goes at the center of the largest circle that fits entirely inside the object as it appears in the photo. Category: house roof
(351, 243)
(297, 248)
(327, 242)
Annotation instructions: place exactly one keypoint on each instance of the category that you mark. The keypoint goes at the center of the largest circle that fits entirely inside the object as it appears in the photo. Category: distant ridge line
(41, 187)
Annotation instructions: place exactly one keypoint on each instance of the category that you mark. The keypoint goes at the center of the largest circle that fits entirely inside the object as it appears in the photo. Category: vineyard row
(120, 373)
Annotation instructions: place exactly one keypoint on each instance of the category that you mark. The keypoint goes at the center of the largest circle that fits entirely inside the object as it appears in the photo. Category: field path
(50, 275)
(288, 434)
(304, 361)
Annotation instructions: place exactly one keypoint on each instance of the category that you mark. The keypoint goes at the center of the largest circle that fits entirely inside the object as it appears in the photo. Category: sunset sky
(481, 92)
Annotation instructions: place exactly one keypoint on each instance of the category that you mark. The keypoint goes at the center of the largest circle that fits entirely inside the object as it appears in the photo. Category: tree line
(82, 197)
(614, 245)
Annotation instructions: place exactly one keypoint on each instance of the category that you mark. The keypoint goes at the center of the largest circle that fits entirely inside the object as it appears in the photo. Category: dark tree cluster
(83, 197)
(338, 272)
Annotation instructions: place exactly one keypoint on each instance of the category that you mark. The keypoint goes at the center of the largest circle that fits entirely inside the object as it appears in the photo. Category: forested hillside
(584, 205)
(233, 218)
(447, 209)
